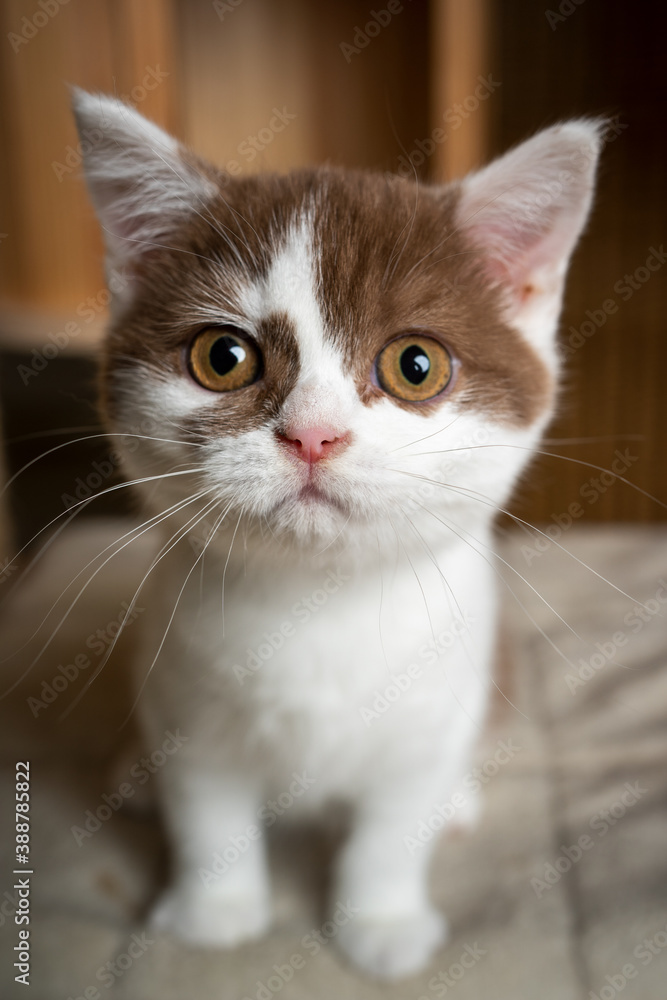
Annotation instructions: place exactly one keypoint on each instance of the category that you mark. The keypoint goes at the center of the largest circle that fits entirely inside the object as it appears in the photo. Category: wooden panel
(599, 61)
(237, 66)
(45, 216)
(351, 105)
(368, 97)
(53, 240)
(464, 92)
(215, 77)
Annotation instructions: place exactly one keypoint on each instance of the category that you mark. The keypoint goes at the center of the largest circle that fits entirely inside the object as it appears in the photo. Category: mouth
(311, 497)
(313, 494)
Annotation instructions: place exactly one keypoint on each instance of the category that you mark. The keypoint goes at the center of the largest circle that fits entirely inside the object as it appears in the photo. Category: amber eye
(414, 367)
(222, 359)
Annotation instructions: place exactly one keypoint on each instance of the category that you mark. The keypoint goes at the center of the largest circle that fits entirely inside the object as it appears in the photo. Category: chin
(310, 518)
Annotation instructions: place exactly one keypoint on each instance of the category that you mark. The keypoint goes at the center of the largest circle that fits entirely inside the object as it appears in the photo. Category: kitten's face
(322, 346)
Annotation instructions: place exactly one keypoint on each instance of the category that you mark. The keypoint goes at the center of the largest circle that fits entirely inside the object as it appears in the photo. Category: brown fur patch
(389, 259)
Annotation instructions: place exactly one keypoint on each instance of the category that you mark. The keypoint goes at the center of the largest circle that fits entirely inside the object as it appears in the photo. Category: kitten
(342, 374)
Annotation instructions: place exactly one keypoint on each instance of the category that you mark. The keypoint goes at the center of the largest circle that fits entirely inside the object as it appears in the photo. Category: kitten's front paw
(209, 920)
(394, 947)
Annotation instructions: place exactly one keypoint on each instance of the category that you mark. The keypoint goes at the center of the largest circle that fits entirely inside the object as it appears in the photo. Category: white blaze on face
(324, 395)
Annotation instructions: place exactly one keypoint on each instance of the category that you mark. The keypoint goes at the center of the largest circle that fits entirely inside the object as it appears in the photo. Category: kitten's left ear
(141, 181)
(525, 212)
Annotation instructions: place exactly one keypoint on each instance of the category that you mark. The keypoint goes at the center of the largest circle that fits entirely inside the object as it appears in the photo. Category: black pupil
(225, 354)
(415, 364)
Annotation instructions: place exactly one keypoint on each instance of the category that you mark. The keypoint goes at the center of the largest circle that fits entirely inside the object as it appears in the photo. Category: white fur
(361, 584)
(303, 708)
(138, 182)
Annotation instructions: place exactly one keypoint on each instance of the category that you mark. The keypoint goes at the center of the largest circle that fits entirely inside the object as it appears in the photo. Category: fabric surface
(558, 893)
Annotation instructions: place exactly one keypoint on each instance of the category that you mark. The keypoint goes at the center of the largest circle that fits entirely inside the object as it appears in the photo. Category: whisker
(382, 646)
(511, 590)
(440, 430)
(336, 536)
(416, 175)
(51, 432)
(83, 503)
(178, 535)
(88, 437)
(560, 653)
(598, 439)
(457, 229)
(473, 494)
(406, 240)
(435, 644)
(546, 454)
(173, 613)
(439, 260)
(492, 678)
(416, 576)
(224, 572)
(156, 520)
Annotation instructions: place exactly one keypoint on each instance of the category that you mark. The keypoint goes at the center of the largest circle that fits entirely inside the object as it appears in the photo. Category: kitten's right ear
(524, 214)
(141, 181)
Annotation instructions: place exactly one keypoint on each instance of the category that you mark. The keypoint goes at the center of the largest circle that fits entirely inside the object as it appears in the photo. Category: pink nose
(313, 443)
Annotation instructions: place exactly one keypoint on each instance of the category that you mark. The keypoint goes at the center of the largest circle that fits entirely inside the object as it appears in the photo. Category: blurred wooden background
(213, 72)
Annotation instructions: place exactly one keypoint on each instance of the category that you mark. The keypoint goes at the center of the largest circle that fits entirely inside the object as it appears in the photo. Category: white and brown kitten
(344, 373)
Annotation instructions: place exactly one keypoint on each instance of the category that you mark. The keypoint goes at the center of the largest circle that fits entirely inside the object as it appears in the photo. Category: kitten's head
(331, 349)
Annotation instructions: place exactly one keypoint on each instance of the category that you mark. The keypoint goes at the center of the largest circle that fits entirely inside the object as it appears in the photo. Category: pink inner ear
(521, 257)
(526, 210)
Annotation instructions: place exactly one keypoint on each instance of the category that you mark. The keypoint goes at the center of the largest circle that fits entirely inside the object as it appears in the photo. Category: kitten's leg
(395, 928)
(220, 893)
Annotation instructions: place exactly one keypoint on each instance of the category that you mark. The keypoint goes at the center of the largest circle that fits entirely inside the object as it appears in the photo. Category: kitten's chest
(328, 666)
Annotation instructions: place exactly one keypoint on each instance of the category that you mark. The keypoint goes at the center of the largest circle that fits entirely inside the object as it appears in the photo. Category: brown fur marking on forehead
(388, 258)
(391, 258)
(199, 279)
